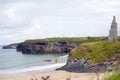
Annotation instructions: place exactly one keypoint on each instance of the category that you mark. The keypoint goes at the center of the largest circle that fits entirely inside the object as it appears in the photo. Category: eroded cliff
(94, 57)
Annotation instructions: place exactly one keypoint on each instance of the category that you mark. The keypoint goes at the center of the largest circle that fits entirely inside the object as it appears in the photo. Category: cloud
(34, 31)
(24, 19)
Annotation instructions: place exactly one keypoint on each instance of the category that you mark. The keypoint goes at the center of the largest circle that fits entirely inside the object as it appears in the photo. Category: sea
(13, 62)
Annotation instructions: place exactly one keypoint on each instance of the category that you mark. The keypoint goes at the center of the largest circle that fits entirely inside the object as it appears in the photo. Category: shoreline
(31, 70)
(55, 75)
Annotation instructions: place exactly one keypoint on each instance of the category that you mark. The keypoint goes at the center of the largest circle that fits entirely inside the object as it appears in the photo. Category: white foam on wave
(64, 56)
(32, 69)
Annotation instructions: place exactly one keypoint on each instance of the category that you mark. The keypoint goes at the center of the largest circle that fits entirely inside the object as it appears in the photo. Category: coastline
(31, 70)
(55, 75)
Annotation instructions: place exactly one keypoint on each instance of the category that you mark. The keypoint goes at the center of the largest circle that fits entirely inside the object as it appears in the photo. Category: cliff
(10, 46)
(46, 47)
(54, 45)
(94, 57)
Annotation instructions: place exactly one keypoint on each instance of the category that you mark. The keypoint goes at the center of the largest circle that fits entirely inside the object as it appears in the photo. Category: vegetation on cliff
(68, 39)
(95, 51)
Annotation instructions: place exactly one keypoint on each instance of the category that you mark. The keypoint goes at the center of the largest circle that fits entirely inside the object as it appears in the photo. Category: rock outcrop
(46, 47)
(94, 57)
(83, 65)
(11, 46)
(113, 31)
(54, 45)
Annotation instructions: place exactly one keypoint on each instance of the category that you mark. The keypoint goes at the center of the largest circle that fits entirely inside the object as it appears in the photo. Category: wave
(64, 56)
(32, 69)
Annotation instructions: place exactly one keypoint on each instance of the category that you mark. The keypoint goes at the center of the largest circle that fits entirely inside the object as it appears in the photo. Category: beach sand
(55, 75)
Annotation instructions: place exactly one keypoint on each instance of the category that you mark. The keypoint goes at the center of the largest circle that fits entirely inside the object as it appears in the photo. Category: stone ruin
(113, 31)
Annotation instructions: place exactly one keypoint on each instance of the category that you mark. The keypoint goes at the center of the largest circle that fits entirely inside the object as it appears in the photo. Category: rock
(11, 46)
(75, 65)
(109, 68)
(84, 66)
(113, 31)
(46, 47)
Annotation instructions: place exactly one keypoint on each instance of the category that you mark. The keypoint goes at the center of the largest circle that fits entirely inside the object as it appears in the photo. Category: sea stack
(113, 31)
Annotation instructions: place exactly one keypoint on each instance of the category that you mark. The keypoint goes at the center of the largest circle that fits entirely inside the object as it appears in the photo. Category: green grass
(95, 51)
(68, 39)
(115, 76)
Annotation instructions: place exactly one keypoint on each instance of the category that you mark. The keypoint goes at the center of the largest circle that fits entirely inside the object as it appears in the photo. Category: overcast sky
(31, 19)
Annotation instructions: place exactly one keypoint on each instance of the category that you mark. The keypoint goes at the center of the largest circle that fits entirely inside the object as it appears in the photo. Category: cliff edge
(94, 57)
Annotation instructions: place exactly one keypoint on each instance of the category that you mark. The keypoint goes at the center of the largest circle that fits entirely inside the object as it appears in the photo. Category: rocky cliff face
(46, 47)
(83, 65)
(94, 57)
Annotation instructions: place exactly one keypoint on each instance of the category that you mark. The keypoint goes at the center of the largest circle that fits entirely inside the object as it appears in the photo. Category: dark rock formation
(11, 46)
(83, 65)
(46, 47)
(113, 31)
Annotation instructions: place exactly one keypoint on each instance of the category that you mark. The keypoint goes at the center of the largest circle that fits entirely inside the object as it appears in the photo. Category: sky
(36, 19)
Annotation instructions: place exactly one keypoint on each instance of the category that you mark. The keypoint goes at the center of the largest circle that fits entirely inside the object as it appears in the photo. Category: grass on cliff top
(68, 39)
(95, 51)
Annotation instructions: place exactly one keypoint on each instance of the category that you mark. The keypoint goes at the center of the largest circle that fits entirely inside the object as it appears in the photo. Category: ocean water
(13, 62)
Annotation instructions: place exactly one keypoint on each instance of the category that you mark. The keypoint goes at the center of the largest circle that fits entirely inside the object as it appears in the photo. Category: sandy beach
(55, 75)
